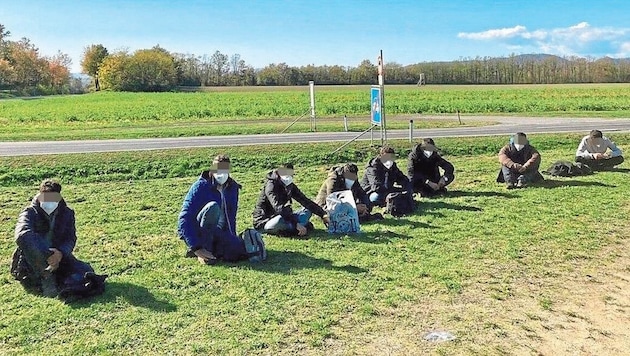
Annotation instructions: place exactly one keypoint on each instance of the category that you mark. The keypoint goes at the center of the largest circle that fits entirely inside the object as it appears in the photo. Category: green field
(224, 111)
(486, 264)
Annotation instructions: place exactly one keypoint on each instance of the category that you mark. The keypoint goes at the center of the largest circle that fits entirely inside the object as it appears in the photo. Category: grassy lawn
(483, 263)
(231, 111)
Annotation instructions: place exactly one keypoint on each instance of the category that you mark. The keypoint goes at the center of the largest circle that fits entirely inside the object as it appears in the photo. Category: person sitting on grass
(274, 213)
(46, 236)
(346, 178)
(207, 221)
(423, 168)
(593, 151)
(519, 163)
(381, 175)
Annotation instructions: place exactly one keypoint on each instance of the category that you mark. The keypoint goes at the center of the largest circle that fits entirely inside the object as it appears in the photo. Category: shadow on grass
(287, 261)
(552, 183)
(135, 295)
(620, 170)
(432, 205)
(459, 193)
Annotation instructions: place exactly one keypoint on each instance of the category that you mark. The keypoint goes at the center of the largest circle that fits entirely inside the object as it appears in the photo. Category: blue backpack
(254, 245)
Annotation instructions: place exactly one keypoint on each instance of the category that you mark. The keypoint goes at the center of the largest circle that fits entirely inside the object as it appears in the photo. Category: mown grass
(134, 115)
(374, 293)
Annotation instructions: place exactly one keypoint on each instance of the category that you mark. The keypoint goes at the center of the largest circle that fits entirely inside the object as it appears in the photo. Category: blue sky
(325, 31)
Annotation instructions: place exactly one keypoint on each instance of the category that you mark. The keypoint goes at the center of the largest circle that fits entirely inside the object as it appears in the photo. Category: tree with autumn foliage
(93, 57)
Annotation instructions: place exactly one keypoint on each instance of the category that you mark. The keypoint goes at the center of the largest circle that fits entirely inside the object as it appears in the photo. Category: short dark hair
(428, 141)
(522, 134)
(49, 186)
(386, 149)
(287, 165)
(596, 134)
(221, 158)
(350, 168)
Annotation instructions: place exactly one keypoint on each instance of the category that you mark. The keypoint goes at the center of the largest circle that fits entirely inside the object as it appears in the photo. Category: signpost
(377, 108)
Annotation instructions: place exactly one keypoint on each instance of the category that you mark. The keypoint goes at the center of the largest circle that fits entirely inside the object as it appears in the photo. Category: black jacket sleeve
(306, 202)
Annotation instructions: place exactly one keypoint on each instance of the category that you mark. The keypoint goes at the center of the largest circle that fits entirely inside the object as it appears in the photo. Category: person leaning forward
(423, 168)
(274, 213)
(346, 178)
(207, 221)
(380, 176)
(45, 235)
(593, 151)
(519, 163)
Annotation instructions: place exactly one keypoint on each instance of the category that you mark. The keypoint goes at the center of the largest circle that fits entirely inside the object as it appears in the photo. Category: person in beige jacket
(519, 163)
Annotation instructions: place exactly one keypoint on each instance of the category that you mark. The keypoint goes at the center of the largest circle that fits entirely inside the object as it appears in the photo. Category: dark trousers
(512, 175)
(30, 261)
(600, 164)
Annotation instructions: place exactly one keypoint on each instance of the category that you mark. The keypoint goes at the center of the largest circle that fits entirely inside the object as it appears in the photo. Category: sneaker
(521, 184)
(309, 226)
(510, 185)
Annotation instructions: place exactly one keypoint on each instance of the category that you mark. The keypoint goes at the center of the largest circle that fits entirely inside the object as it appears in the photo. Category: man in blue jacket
(207, 222)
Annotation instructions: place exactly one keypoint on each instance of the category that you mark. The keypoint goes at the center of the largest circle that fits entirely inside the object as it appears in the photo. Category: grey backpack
(254, 245)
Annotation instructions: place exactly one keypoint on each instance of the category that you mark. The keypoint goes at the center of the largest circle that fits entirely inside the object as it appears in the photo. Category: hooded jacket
(33, 222)
(335, 182)
(378, 179)
(420, 168)
(203, 191)
(276, 198)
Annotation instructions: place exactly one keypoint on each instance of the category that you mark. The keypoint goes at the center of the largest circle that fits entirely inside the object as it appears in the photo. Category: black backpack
(568, 169)
(399, 204)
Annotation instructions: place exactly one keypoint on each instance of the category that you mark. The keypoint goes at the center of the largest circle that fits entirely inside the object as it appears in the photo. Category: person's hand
(517, 167)
(599, 156)
(522, 169)
(204, 256)
(441, 183)
(301, 229)
(54, 259)
(433, 186)
(326, 220)
(362, 209)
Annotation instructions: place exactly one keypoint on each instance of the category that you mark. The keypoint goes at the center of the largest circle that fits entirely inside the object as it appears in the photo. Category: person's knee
(209, 214)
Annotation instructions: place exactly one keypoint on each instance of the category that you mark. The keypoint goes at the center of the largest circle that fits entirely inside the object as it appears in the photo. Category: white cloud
(624, 50)
(580, 39)
(494, 34)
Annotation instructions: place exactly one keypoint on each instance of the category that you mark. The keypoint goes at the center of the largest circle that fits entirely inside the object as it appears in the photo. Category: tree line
(24, 70)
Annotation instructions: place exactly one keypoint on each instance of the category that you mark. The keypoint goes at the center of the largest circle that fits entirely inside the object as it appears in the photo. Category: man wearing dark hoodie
(423, 168)
(274, 214)
(46, 236)
(207, 221)
(519, 163)
(346, 178)
(380, 176)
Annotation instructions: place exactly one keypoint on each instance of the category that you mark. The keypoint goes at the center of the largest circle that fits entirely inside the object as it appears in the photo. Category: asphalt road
(505, 126)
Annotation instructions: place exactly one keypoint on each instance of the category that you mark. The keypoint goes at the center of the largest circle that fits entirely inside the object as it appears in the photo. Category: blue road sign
(376, 105)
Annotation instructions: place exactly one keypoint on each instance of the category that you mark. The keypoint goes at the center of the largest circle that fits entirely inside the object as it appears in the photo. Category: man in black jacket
(46, 235)
(423, 168)
(274, 214)
(381, 175)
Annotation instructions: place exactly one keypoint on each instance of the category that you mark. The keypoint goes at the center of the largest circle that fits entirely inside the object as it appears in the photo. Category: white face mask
(286, 180)
(388, 164)
(427, 154)
(49, 206)
(349, 183)
(518, 147)
(221, 178)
